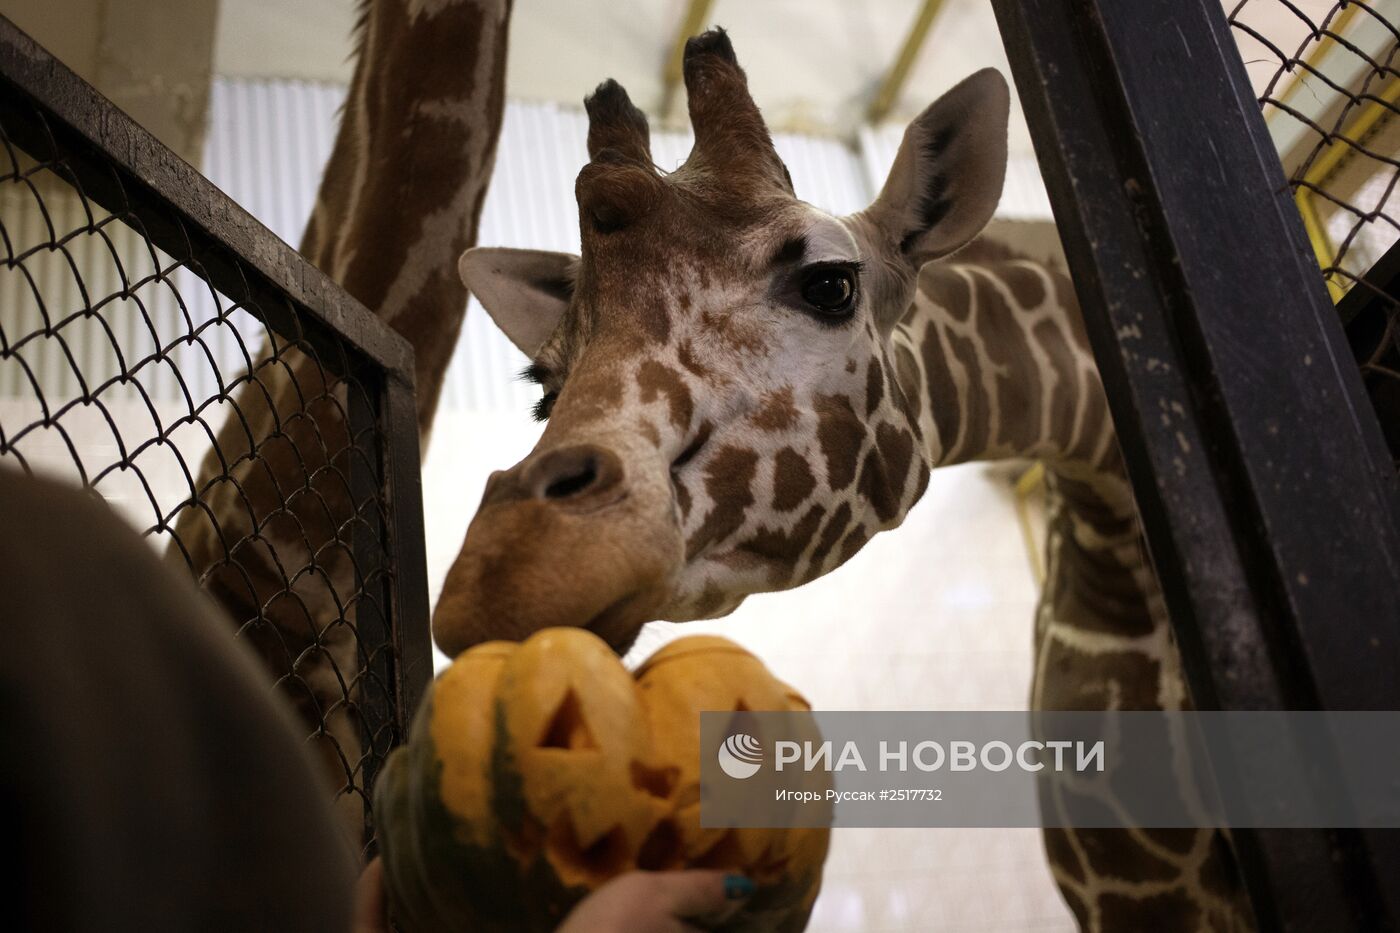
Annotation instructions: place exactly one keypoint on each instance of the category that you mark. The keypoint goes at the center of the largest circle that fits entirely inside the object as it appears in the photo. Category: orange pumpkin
(536, 772)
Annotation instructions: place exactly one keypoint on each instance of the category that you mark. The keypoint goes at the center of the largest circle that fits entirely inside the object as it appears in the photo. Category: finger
(702, 893)
(737, 889)
(370, 915)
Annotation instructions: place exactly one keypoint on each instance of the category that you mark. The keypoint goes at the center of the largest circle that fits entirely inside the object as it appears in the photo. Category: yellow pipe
(894, 81)
(696, 15)
(1026, 486)
(1338, 149)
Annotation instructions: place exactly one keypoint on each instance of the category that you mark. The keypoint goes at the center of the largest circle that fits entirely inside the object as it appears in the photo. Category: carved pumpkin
(536, 772)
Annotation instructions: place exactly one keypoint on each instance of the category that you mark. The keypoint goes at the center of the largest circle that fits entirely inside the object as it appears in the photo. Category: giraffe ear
(947, 177)
(525, 291)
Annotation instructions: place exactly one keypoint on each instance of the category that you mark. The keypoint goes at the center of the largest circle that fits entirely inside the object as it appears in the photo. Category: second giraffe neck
(403, 190)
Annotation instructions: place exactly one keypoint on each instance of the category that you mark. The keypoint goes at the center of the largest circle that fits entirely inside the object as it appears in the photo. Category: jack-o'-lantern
(536, 772)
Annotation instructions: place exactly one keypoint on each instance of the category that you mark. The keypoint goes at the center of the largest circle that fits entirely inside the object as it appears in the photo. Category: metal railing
(162, 348)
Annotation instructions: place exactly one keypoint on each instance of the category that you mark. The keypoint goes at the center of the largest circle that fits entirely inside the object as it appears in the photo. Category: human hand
(637, 902)
(659, 902)
(371, 915)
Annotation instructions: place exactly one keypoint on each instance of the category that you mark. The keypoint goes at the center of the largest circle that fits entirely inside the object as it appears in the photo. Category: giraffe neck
(996, 353)
(401, 196)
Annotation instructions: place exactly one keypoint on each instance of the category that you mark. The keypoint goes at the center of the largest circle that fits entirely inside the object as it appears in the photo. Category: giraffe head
(724, 402)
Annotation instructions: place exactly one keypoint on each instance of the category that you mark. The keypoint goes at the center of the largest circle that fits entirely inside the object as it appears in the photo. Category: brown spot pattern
(736, 335)
(920, 484)
(1096, 590)
(835, 526)
(1061, 852)
(1109, 857)
(777, 412)
(656, 380)
(1078, 908)
(1177, 840)
(977, 419)
(710, 600)
(1018, 385)
(943, 394)
(884, 471)
(1092, 425)
(793, 481)
(657, 323)
(947, 289)
(1220, 874)
(840, 433)
(685, 354)
(1064, 394)
(874, 386)
(1025, 284)
(909, 381)
(785, 548)
(1077, 681)
(853, 543)
(1159, 913)
(729, 481)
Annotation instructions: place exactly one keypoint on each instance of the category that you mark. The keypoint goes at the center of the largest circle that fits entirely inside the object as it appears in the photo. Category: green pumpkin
(535, 773)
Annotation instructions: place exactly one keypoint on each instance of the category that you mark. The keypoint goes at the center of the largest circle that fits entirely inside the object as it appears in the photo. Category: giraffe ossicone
(728, 411)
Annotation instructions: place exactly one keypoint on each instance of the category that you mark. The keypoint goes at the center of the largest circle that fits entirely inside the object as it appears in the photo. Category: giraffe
(741, 390)
(400, 198)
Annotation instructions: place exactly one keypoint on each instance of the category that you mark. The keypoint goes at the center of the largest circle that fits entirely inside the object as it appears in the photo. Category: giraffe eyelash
(540, 375)
(854, 266)
(536, 373)
(542, 408)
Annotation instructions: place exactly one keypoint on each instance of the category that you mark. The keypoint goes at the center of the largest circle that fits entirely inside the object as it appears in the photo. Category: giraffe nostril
(573, 474)
(578, 481)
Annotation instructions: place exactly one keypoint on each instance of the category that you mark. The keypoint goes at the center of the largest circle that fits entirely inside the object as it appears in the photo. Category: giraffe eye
(829, 290)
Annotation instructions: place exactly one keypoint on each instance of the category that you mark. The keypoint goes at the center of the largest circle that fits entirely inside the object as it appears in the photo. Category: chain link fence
(160, 348)
(1327, 76)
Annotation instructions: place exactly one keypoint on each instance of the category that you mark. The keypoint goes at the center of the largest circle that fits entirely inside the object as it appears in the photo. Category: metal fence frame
(1267, 495)
(119, 165)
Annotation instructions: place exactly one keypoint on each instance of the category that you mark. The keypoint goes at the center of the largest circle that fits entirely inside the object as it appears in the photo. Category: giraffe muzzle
(566, 537)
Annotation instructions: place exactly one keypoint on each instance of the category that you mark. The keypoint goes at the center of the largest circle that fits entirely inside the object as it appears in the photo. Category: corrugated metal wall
(94, 300)
(266, 145)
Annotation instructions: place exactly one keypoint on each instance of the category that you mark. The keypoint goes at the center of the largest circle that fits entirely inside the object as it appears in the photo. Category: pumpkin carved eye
(830, 291)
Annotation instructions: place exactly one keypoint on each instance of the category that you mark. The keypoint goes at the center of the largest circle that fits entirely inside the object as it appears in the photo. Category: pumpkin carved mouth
(536, 772)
